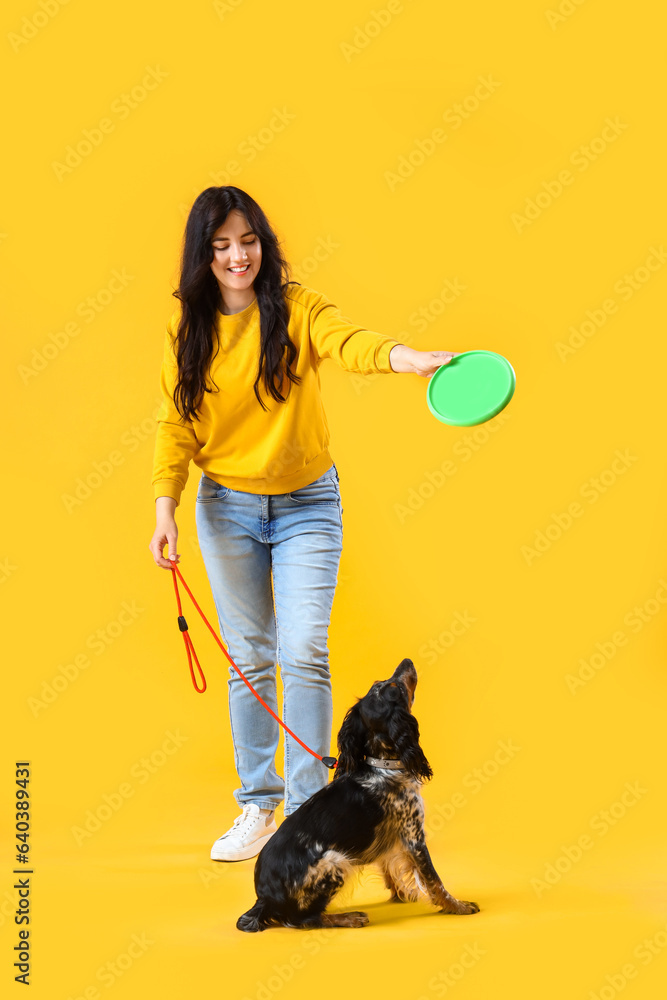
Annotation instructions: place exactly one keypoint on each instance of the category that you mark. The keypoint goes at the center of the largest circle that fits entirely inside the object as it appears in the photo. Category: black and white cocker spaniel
(372, 812)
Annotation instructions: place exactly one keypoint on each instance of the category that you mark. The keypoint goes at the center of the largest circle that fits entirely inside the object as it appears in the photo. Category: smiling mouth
(239, 270)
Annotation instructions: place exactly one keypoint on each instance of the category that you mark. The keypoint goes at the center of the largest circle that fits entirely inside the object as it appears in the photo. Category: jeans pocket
(322, 491)
(208, 490)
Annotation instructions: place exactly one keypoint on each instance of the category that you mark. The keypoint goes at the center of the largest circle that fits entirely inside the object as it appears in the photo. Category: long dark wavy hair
(199, 294)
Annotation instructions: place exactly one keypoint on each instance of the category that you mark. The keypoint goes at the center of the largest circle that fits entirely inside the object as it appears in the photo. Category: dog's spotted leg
(434, 887)
(393, 888)
(400, 877)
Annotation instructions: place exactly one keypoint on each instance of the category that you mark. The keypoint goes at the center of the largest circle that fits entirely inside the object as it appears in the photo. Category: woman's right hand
(166, 533)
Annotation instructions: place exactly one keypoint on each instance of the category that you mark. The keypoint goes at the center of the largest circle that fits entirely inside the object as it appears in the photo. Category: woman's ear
(351, 742)
(403, 730)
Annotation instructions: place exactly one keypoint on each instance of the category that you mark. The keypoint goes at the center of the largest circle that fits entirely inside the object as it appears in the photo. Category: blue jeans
(293, 541)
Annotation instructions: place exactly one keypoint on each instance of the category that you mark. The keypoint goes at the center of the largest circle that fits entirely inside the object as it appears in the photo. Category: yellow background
(361, 94)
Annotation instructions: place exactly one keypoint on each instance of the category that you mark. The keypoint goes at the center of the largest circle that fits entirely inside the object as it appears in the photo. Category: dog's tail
(255, 919)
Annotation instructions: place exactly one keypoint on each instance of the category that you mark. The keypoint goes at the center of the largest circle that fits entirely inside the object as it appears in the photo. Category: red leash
(329, 762)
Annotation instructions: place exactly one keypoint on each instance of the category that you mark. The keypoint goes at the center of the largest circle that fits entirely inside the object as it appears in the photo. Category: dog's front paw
(465, 907)
(354, 918)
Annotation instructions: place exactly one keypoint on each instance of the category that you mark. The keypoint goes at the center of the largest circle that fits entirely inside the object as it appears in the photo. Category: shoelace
(242, 823)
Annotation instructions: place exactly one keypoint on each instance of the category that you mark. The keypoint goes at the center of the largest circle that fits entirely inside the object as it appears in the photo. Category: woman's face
(237, 254)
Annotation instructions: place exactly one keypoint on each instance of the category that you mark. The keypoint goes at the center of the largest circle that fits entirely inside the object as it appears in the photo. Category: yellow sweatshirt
(233, 440)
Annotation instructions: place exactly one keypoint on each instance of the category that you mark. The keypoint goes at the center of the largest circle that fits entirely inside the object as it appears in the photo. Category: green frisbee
(471, 389)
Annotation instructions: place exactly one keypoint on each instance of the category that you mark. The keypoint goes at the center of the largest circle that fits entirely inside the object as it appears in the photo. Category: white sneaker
(247, 836)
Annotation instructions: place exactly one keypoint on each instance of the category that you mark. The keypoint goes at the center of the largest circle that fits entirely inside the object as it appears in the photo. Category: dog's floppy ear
(351, 742)
(403, 730)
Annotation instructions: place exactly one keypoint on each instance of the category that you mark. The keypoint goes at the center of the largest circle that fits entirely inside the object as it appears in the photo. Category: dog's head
(381, 725)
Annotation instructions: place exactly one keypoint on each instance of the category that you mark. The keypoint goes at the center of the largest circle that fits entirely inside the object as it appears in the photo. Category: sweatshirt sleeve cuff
(382, 356)
(168, 488)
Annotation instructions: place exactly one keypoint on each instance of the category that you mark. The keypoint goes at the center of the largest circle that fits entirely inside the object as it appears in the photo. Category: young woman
(241, 399)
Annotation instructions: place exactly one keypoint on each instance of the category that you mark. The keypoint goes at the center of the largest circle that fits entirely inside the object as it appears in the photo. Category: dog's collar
(393, 765)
